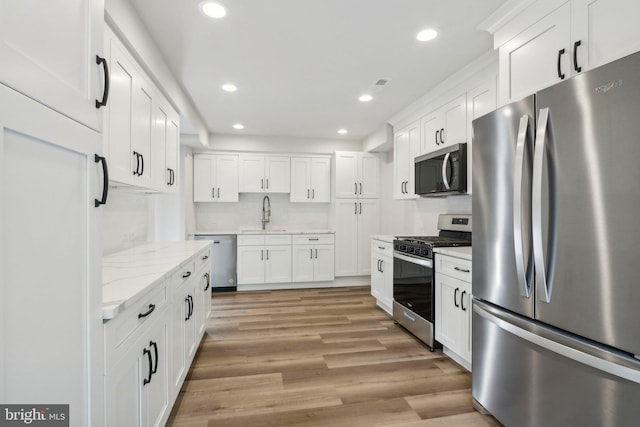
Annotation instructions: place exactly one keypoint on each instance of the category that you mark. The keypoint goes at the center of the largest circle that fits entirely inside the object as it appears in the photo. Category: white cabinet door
(368, 224)
(369, 176)
(141, 132)
(324, 259)
(203, 175)
(431, 126)
(537, 57)
(203, 288)
(300, 179)
(226, 178)
(480, 101)
(454, 129)
(605, 31)
(277, 174)
(191, 337)
(376, 274)
(159, 172)
(277, 268)
(251, 174)
(155, 393)
(123, 384)
(303, 263)
(48, 51)
(347, 178)
(250, 265)
(448, 313)
(346, 238)
(173, 152)
(405, 148)
(320, 180)
(119, 114)
(386, 286)
(178, 369)
(48, 183)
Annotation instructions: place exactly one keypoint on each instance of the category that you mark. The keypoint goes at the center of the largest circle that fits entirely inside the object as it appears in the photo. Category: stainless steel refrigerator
(556, 253)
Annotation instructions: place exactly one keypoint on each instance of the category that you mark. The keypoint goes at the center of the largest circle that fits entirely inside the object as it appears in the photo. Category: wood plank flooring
(318, 357)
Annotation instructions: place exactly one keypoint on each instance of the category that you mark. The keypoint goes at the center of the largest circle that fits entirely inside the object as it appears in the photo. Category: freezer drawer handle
(464, 270)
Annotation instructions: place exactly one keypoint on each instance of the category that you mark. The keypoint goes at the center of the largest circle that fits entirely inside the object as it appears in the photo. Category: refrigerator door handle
(445, 180)
(612, 362)
(543, 272)
(524, 135)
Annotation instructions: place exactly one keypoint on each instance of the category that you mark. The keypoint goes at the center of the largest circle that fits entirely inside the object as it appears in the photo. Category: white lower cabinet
(382, 274)
(313, 258)
(453, 307)
(151, 344)
(137, 364)
(356, 220)
(264, 259)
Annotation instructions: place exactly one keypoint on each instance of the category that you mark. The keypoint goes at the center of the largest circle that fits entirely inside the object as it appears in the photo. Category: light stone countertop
(463, 252)
(258, 231)
(130, 274)
(383, 237)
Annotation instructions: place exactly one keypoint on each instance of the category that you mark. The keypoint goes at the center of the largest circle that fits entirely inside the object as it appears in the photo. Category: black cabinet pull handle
(378, 266)
(261, 255)
(136, 172)
(462, 301)
(142, 162)
(191, 308)
(155, 350)
(313, 239)
(218, 192)
(360, 188)
(262, 184)
(360, 208)
(455, 297)
(267, 183)
(307, 193)
(267, 254)
(187, 274)
(575, 56)
(206, 257)
(188, 308)
(173, 177)
(148, 379)
(464, 270)
(560, 73)
(442, 136)
(356, 206)
(105, 180)
(437, 132)
(313, 193)
(316, 253)
(381, 263)
(356, 184)
(105, 94)
(310, 253)
(148, 312)
(206, 288)
(169, 180)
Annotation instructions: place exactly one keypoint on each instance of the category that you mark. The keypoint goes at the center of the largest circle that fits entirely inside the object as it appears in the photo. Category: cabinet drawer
(123, 326)
(277, 239)
(381, 248)
(313, 239)
(203, 258)
(251, 240)
(454, 267)
(184, 273)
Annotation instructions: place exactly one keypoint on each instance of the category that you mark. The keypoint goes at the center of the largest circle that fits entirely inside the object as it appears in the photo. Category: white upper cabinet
(357, 175)
(445, 126)
(264, 174)
(165, 146)
(215, 178)
(551, 41)
(406, 146)
(310, 179)
(48, 51)
(537, 57)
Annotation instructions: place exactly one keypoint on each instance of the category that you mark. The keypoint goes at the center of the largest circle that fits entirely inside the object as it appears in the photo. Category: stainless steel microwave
(442, 172)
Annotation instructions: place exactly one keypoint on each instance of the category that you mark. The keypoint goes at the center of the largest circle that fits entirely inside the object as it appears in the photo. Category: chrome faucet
(266, 211)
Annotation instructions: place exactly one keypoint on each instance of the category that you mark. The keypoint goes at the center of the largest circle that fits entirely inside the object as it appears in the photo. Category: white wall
(281, 144)
(413, 217)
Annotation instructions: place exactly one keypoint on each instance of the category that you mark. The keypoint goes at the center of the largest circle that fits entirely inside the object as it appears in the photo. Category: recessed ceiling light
(229, 87)
(342, 131)
(365, 98)
(426, 35)
(213, 9)
(238, 126)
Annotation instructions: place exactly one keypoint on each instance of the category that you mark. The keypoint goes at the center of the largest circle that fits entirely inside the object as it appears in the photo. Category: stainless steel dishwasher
(223, 261)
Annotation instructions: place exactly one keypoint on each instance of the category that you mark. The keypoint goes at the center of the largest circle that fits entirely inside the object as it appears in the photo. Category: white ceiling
(300, 65)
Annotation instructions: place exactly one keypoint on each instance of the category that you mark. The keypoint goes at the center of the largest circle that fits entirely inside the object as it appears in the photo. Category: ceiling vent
(377, 86)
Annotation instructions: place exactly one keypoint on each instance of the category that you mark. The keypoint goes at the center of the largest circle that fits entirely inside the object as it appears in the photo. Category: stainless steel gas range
(414, 273)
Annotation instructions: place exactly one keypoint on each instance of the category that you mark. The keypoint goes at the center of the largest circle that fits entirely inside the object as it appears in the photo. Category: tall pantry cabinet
(51, 187)
(357, 211)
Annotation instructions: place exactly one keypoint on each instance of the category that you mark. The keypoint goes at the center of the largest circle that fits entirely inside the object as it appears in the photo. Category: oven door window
(413, 287)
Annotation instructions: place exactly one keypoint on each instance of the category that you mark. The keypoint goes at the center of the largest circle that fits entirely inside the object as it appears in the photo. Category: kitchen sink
(260, 231)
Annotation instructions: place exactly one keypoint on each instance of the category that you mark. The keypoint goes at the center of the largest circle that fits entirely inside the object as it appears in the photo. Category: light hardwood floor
(318, 357)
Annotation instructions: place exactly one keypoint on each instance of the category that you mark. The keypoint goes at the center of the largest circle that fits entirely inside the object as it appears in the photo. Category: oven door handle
(423, 262)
